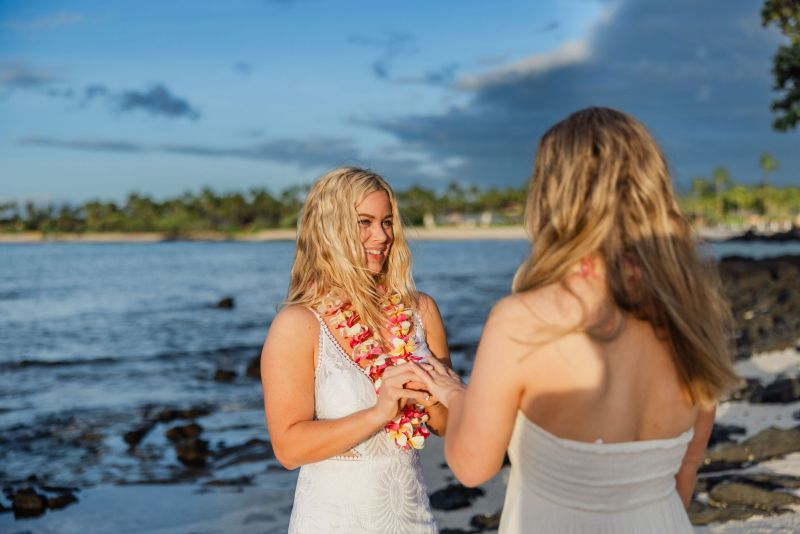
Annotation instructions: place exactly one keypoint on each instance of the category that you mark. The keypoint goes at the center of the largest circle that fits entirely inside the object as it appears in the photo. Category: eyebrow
(388, 215)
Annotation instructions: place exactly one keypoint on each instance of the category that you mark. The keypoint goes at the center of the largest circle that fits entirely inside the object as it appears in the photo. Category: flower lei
(409, 428)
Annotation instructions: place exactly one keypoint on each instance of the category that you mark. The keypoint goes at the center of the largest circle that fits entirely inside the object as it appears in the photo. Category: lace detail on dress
(384, 487)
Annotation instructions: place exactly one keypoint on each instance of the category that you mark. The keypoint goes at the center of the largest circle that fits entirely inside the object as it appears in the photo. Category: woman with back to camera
(351, 318)
(600, 373)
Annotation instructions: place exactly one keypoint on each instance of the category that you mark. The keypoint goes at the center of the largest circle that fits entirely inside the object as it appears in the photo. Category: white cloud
(569, 53)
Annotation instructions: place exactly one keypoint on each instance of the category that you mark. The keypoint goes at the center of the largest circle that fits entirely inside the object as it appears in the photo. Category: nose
(381, 236)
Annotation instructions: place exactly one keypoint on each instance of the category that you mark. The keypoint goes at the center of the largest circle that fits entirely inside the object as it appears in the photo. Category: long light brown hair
(329, 257)
(601, 185)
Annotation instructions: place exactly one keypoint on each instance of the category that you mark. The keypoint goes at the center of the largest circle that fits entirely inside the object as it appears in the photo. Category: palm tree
(768, 164)
(722, 179)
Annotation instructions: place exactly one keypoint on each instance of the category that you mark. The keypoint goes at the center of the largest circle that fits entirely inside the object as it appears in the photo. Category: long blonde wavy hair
(329, 257)
(600, 185)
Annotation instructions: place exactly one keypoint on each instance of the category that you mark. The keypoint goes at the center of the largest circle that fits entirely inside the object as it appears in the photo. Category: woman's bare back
(578, 388)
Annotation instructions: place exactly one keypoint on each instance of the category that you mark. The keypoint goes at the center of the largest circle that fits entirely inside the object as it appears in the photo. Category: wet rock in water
(226, 303)
(722, 433)
(769, 443)
(244, 480)
(793, 234)
(180, 433)
(168, 415)
(136, 435)
(703, 514)
(27, 503)
(192, 452)
(782, 391)
(224, 375)
(454, 497)
(737, 493)
(486, 522)
(61, 501)
(253, 450)
(254, 367)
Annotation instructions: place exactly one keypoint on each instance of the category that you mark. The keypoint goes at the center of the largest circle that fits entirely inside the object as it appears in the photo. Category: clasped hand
(400, 384)
(438, 379)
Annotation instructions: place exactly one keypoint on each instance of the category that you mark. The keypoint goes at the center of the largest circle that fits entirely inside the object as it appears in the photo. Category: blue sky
(99, 99)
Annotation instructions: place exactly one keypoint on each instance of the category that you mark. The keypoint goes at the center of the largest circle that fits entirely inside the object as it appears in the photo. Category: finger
(415, 384)
(438, 366)
(399, 393)
(400, 378)
(422, 374)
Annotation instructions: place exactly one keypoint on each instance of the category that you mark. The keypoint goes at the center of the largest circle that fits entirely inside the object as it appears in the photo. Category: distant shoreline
(442, 233)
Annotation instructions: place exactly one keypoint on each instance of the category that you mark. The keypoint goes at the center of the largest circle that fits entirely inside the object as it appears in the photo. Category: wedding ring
(427, 397)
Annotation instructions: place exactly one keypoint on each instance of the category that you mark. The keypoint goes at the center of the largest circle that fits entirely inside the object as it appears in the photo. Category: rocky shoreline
(752, 469)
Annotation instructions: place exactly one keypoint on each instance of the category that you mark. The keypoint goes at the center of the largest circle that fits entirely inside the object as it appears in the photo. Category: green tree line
(255, 210)
(719, 200)
(712, 201)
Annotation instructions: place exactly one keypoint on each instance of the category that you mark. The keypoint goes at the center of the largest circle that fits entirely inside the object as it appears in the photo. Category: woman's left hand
(439, 380)
(427, 401)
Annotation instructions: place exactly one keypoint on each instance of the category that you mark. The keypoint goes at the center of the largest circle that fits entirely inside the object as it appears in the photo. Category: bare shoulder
(293, 321)
(511, 309)
(426, 305)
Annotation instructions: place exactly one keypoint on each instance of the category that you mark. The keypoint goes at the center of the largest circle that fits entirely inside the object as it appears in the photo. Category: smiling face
(375, 222)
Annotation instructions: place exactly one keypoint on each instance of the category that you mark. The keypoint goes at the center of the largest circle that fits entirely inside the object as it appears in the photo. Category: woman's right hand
(393, 395)
(441, 381)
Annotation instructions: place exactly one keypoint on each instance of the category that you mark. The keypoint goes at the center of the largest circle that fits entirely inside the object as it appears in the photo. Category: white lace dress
(379, 489)
(571, 487)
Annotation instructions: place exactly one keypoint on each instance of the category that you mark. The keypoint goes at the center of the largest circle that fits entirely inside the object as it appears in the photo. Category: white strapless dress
(380, 489)
(563, 486)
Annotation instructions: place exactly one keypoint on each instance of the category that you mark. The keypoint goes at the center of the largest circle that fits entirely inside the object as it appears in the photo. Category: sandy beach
(413, 233)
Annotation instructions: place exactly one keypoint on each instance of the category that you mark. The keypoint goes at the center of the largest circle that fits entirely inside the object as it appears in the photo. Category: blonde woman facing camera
(601, 371)
(339, 393)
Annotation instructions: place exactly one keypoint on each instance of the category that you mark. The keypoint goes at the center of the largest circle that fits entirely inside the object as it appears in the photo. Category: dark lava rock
(722, 434)
(772, 481)
(224, 375)
(244, 480)
(226, 303)
(454, 497)
(61, 501)
(737, 493)
(769, 443)
(136, 435)
(486, 522)
(782, 391)
(765, 301)
(27, 503)
(746, 391)
(192, 452)
(253, 450)
(792, 234)
(254, 367)
(171, 414)
(180, 433)
(703, 514)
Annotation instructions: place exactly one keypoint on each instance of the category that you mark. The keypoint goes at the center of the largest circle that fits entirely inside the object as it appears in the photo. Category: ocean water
(94, 336)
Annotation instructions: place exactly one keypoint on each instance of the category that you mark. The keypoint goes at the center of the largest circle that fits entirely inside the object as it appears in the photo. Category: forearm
(311, 441)
(438, 415)
(684, 484)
